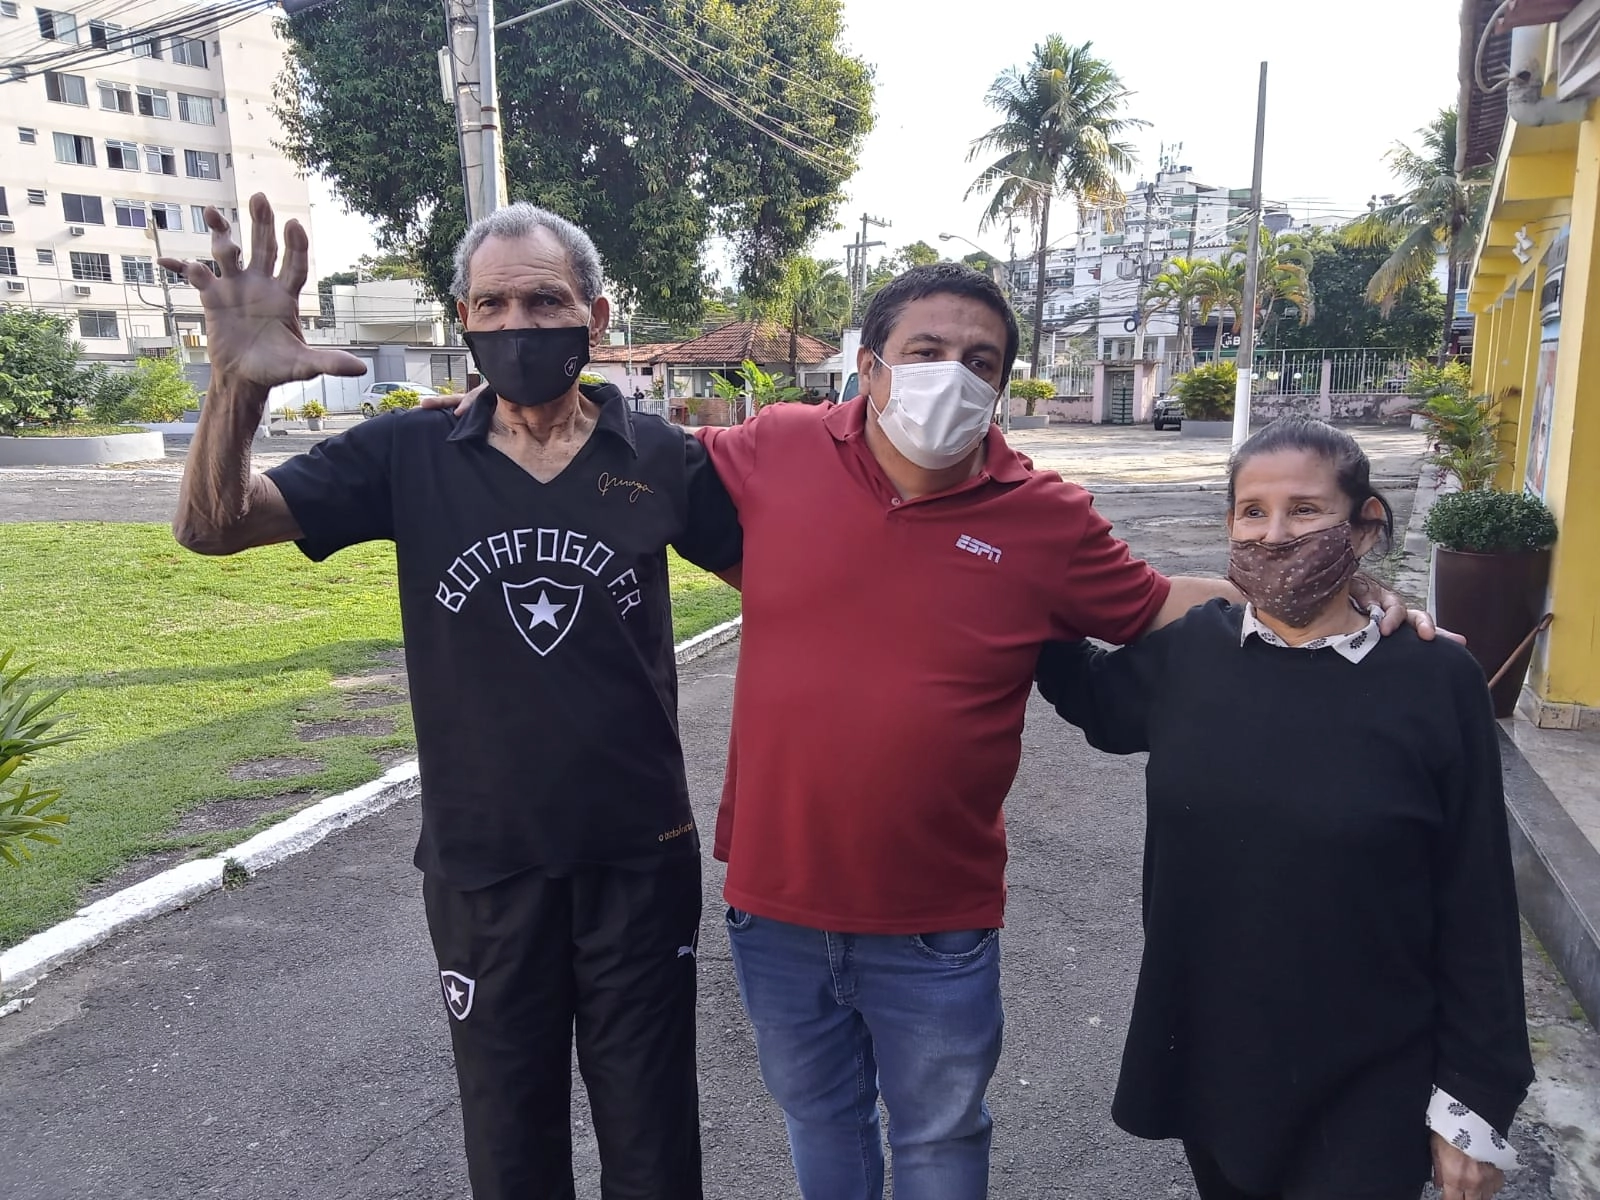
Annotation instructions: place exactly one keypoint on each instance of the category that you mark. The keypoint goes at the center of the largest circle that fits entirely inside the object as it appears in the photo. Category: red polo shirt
(887, 655)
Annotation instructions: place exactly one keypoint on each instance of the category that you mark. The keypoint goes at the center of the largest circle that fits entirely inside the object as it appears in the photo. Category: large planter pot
(1038, 422)
(314, 424)
(1494, 601)
(80, 451)
(1206, 429)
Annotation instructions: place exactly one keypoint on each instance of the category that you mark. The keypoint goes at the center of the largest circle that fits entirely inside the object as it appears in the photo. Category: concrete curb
(26, 963)
(1207, 485)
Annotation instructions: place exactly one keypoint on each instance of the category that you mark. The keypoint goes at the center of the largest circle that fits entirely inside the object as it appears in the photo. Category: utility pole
(171, 319)
(1144, 274)
(470, 32)
(1252, 268)
(857, 251)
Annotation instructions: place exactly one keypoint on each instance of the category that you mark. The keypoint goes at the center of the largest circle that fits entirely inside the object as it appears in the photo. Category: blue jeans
(839, 1016)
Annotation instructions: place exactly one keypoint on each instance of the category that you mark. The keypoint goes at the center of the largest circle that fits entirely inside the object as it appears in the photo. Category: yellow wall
(1570, 668)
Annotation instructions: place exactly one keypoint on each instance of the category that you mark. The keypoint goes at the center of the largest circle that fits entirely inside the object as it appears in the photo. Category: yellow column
(1523, 429)
(1483, 349)
(1569, 668)
(1509, 380)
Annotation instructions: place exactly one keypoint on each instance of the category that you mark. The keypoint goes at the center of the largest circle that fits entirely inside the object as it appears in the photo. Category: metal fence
(1352, 371)
(1073, 378)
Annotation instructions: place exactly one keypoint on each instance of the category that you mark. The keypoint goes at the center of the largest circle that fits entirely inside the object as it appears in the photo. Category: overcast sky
(1346, 81)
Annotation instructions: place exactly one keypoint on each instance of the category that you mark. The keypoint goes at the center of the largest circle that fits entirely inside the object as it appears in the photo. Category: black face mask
(530, 366)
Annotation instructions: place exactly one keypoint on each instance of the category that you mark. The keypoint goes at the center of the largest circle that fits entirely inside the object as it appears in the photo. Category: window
(122, 156)
(153, 103)
(81, 209)
(58, 26)
(35, 195)
(172, 277)
(75, 148)
(195, 109)
(211, 265)
(47, 258)
(8, 8)
(115, 97)
(28, 137)
(5, 211)
(66, 89)
(105, 36)
(138, 268)
(197, 217)
(92, 268)
(97, 323)
(161, 160)
(167, 217)
(201, 164)
(190, 51)
(8, 261)
(147, 48)
(130, 214)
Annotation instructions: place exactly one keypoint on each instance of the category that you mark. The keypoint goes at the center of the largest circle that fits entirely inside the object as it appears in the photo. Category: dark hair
(1334, 446)
(937, 279)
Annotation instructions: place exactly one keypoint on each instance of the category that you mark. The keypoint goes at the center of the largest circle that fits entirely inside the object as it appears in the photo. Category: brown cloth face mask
(1293, 581)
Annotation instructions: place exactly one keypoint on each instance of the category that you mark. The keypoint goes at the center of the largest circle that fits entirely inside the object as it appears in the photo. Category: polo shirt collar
(615, 419)
(848, 423)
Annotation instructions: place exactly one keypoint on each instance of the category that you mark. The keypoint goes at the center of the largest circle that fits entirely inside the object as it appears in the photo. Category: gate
(1119, 397)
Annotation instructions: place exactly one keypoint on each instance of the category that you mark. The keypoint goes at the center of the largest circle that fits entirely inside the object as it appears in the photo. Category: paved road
(286, 1039)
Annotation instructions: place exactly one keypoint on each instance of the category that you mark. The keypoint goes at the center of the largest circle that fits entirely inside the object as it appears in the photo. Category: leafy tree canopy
(1345, 316)
(595, 129)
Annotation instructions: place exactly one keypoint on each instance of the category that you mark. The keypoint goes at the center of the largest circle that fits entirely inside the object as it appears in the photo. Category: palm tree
(1060, 121)
(1180, 286)
(1283, 278)
(815, 297)
(1221, 289)
(1440, 213)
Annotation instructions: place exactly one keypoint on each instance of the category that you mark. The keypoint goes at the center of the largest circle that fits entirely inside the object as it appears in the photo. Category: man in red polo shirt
(903, 567)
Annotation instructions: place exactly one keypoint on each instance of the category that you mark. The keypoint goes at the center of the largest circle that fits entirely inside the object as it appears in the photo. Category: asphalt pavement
(286, 1039)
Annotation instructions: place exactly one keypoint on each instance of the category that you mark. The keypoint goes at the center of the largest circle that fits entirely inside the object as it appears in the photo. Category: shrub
(40, 382)
(591, 379)
(1489, 522)
(1032, 391)
(154, 391)
(400, 398)
(1465, 436)
(1424, 380)
(1207, 391)
(25, 814)
(313, 410)
(289, 413)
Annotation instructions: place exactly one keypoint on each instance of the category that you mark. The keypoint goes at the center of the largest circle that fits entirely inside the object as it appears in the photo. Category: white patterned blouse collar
(1352, 646)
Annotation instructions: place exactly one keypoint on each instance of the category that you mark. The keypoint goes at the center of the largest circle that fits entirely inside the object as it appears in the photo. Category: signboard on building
(1537, 473)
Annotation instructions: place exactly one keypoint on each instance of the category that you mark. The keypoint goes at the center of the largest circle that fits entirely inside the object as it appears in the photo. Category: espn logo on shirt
(981, 548)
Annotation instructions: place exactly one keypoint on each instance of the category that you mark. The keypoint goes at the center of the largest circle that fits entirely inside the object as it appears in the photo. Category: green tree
(1344, 316)
(1283, 279)
(816, 298)
(917, 254)
(155, 390)
(388, 266)
(1061, 118)
(596, 129)
(1179, 289)
(39, 377)
(1440, 213)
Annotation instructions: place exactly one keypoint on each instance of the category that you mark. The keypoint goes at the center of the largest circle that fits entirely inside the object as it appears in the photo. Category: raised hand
(252, 316)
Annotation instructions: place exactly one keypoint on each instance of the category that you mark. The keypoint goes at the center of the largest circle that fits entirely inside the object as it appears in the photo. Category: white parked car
(373, 396)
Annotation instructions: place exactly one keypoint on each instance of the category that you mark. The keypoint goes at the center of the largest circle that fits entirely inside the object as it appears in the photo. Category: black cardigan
(1328, 887)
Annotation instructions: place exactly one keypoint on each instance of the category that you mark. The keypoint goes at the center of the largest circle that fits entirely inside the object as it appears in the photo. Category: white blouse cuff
(1468, 1132)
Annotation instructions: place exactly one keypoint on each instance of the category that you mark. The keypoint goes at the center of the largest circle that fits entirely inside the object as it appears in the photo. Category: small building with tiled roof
(689, 366)
(631, 367)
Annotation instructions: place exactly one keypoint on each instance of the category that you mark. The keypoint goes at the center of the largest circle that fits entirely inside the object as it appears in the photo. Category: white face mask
(937, 412)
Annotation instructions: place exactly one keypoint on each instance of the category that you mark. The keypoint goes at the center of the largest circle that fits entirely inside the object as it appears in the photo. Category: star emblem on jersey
(458, 993)
(543, 611)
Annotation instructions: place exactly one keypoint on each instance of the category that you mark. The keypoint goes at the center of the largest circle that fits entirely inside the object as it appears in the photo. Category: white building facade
(117, 136)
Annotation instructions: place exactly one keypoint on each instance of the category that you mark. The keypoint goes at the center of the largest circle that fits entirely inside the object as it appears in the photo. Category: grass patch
(184, 666)
(84, 430)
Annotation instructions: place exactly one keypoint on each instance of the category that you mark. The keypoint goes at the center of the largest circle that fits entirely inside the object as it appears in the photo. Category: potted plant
(1491, 577)
(399, 400)
(1030, 392)
(1207, 394)
(314, 412)
(25, 731)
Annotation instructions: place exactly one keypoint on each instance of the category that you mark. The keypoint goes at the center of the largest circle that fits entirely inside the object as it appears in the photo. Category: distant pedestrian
(1332, 976)
(560, 859)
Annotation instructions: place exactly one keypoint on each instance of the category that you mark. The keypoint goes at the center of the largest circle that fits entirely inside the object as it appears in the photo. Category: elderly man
(561, 869)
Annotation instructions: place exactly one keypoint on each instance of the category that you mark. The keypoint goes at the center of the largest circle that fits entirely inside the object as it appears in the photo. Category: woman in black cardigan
(1331, 989)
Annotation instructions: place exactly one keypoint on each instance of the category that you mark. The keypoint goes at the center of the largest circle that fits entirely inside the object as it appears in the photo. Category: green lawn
(186, 666)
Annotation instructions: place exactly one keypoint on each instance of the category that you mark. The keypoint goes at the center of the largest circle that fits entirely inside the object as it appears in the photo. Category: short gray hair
(522, 220)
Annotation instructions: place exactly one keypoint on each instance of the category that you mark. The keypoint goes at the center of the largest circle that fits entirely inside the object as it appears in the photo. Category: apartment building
(120, 121)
